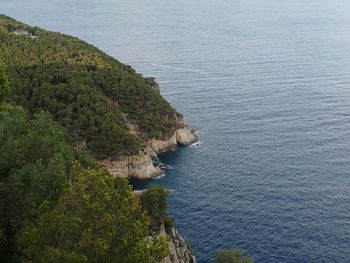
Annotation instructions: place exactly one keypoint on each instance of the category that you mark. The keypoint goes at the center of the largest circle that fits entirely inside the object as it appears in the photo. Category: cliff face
(182, 136)
(179, 252)
(139, 166)
(145, 165)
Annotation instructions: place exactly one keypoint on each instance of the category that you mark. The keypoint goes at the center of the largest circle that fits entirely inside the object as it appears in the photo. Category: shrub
(168, 222)
(154, 203)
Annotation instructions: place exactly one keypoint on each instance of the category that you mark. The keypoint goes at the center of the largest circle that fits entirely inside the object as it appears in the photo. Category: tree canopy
(54, 208)
(4, 83)
(35, 159)
(95, 97)
(97, 219)
(154, 202)
(70, 102)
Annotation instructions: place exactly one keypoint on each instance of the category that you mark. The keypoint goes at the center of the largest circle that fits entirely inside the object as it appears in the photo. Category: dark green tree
(231, 256)
(97, 219)
(4, 83)
(35, 159)
(94, 96)
(154, 202)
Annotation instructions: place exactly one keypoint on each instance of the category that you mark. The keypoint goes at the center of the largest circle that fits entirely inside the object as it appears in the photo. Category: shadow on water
(168, 159)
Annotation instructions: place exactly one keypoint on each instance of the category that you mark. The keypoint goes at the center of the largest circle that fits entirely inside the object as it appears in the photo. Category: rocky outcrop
(179, 252)
(186, 136)
(162, 145)
(153, 83)
(183, 136)
(139, 166)
(145, 165)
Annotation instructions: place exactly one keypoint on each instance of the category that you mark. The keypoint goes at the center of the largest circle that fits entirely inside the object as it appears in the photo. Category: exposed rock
(153, 83)
(145, 165)
(178, 250)
(139, 192)
(186, 136)
(162, 145)
(182, 136)
(138, 166)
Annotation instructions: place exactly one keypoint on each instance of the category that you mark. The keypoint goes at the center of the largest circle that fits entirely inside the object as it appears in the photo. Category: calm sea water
(267, 85)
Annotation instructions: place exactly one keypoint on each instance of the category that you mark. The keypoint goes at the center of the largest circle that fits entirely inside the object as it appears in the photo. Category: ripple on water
(266, 83)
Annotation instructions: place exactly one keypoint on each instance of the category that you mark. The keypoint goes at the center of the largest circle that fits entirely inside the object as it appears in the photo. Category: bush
(97, 219)
(154, 203)
(168, 222)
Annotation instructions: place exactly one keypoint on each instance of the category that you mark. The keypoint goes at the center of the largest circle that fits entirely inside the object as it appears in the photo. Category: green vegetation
(35, 158)
(54, 210)
(154, 203)
(96, 220)
(4, 83)
(70, 102)
(92, 95)
(231, 256)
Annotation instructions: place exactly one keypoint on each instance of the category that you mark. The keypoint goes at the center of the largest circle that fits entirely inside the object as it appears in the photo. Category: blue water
(267, 85)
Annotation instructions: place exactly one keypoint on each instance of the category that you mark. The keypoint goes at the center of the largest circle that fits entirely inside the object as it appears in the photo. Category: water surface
(267, 85)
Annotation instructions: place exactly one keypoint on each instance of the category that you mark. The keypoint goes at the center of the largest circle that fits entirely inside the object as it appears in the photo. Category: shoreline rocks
(183, 136)
(179, 252)
(139, 166)
(145, 165)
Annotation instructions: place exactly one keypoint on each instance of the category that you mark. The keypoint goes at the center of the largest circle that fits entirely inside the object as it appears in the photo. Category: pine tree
(4, 83)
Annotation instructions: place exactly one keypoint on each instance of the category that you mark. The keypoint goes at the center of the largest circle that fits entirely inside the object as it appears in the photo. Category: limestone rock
(185, 136)
(145, 165)
(138, 166)
(178, 250)
(163, 145)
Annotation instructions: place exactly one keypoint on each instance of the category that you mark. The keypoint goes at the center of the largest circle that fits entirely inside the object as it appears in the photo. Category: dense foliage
(68, 100)
(91, 94)
(56, 205)
(35, 158)
(4, 83)
(54, 210)
(96, 220)
(154, 202)
(231, 256)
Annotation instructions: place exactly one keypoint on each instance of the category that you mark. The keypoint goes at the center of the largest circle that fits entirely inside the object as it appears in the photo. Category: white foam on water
(196, 144)
(160, 176)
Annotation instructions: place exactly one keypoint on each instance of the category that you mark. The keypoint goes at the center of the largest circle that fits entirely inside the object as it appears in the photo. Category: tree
(97, 219)
(4, 83)
(154, 202)
(94, 96)
(231, 256)
(35, 159)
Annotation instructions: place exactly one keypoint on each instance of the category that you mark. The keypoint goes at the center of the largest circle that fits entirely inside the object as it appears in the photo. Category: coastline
(146, 165)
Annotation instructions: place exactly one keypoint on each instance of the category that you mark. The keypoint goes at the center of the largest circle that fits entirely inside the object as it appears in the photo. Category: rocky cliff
(182, 136)
(145, 165)
(139, 166)
(179, 252)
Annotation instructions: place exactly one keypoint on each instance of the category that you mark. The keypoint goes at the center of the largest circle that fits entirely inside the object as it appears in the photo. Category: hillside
(101, 102)
(67, 108)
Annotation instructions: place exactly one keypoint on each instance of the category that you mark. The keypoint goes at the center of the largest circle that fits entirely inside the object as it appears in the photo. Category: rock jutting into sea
(145, 165)
(179, 251)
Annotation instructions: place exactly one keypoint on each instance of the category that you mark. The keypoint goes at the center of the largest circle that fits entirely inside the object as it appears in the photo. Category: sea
(266, 84)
